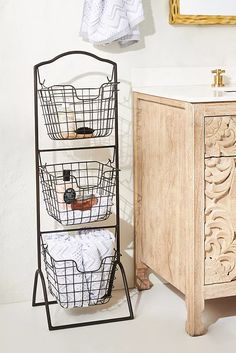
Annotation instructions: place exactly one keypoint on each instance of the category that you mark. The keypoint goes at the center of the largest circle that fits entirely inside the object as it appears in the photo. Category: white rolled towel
(97, 245)
(67, 284)
(87, 281)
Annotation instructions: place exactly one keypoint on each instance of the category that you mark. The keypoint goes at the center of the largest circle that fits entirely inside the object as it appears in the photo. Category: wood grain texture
(220, 136)
(220, 227)
(220, 290)
(219, 109)
(185, 199)
(195, 242)
(163, 187)
(141, 271)
(142, 278)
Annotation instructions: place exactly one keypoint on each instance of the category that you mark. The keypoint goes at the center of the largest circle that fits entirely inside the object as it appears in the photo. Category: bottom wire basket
(72, 287)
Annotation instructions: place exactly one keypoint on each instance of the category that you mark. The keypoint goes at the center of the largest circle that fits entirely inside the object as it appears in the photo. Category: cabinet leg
(194, 323)
(142, 278)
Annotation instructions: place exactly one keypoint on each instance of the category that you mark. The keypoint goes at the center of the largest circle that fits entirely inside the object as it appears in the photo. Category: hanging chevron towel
(106, 21)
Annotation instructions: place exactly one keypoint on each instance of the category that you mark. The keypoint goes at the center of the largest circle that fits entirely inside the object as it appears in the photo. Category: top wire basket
(77, 113)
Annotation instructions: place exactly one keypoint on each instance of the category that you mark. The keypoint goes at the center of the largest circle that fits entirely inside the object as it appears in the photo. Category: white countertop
(192, 94)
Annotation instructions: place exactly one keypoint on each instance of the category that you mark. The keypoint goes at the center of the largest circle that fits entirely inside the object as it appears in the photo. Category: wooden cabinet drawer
(220, 136)
(220, 220)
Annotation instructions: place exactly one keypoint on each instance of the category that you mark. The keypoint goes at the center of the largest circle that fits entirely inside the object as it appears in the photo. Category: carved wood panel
(220, 220)
(220, 136)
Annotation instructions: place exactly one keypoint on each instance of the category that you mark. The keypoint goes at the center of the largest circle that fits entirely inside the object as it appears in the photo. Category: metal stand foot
(47, 303)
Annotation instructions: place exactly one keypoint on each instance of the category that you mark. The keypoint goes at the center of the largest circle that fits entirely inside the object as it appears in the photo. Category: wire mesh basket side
(92, 184)
(72, 287)
(73, 113)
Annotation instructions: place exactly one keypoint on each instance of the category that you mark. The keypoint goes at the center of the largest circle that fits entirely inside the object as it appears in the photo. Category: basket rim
(112, 257)
(74, 89)
(52, 175)
(80, 162)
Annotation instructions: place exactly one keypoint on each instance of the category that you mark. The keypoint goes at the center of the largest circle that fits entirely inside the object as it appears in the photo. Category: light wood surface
(194, 243)
(185, 198)
(141, 270)
(161, 139)
(219, 109)
(220, 136)
(220, 227)
(220, 290)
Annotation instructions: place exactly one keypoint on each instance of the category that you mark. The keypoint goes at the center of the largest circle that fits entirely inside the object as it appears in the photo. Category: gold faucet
(218, 78)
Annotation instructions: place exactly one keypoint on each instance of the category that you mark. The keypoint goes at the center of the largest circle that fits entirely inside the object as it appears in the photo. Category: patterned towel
(86, 283)
(106, 21)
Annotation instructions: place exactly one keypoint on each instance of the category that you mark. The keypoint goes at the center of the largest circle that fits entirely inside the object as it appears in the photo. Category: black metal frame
(38, 152)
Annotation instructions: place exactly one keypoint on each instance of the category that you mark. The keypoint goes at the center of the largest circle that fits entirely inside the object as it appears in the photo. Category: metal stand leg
(126, 290)
(35, 288)
(46, 302)
(34, 303)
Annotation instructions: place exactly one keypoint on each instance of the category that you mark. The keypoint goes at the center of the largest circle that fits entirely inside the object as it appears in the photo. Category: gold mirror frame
(177, 18)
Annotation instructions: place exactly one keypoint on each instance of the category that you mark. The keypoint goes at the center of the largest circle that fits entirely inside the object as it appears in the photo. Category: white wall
(31, 31)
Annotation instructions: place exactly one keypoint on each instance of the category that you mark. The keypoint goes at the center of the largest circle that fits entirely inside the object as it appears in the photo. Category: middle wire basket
(78, 192)
(75, 113)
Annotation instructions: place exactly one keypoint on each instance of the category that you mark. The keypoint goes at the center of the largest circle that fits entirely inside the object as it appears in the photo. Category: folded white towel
(64, 278)
(105, 21)
(96, 246)
(64, 247)
(87, 281)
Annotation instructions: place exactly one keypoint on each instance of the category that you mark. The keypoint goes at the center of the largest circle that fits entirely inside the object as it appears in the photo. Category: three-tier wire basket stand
(77, 193)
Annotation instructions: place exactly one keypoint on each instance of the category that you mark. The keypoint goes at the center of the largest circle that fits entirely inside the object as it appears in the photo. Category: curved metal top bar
(71, 53)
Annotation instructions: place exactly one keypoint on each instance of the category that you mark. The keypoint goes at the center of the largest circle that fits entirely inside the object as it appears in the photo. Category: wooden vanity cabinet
(185, 198)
